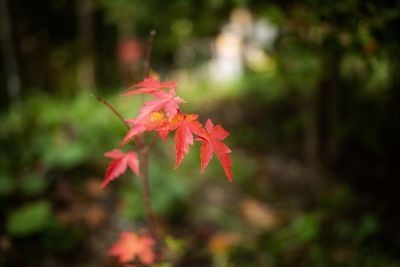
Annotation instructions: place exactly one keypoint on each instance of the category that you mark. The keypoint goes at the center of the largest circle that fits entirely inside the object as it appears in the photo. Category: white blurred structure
(240, 42)
(264, 33)
(227, 62)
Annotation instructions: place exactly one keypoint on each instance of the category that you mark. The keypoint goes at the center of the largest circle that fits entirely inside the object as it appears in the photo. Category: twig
(147, 65)
(145, 158)
(144, 149)
(146, 190)
(138, 142)
(153, 141)
(105, 102)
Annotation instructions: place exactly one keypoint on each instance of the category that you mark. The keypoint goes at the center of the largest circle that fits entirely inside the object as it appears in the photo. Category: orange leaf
(185, 126)
(131, 246)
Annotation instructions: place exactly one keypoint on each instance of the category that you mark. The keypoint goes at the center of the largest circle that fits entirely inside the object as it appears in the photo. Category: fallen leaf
(131, 246)
(259, 214)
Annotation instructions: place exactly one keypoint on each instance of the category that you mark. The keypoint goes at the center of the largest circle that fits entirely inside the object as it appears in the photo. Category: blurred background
(309, 91)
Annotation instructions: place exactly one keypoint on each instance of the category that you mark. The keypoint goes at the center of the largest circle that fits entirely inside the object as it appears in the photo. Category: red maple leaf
(154, 122)
(168, 102)
(211, 139)
(185, 126)
(131, 245)
(149, 86)
(119, 164)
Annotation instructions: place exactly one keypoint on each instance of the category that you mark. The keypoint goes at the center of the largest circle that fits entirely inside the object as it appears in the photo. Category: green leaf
(33, 185)
(174, 244)
(60, 239)
(7, 185)
(307, 227)
(29, 219)
(163, 264)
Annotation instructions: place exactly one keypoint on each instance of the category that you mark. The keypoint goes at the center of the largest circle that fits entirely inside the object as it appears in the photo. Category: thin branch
(138, 142)
(147, 202)
(153, 141)
(146, 190)
(105, 102)
(147, 65)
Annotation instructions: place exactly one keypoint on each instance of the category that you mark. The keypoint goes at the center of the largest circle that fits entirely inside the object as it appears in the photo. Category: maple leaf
(168, 102)
(149, 86)
(130, 245)
(119, 164)
(211, 139)
(155, 121)
(185, 126)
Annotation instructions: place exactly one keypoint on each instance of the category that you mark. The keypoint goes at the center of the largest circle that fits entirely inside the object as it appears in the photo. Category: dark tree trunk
(85, 71)
(333, 106)
(309, 114)
(8, 54)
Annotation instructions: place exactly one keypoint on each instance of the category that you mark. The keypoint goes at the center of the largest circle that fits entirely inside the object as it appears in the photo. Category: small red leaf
(156, 121)
(211, 139)
(206, 154)
(168, 102)
(119, 164)
(131, 246)
(149, 86)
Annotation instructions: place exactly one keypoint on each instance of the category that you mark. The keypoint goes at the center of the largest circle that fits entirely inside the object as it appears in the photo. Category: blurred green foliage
(29, 219)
